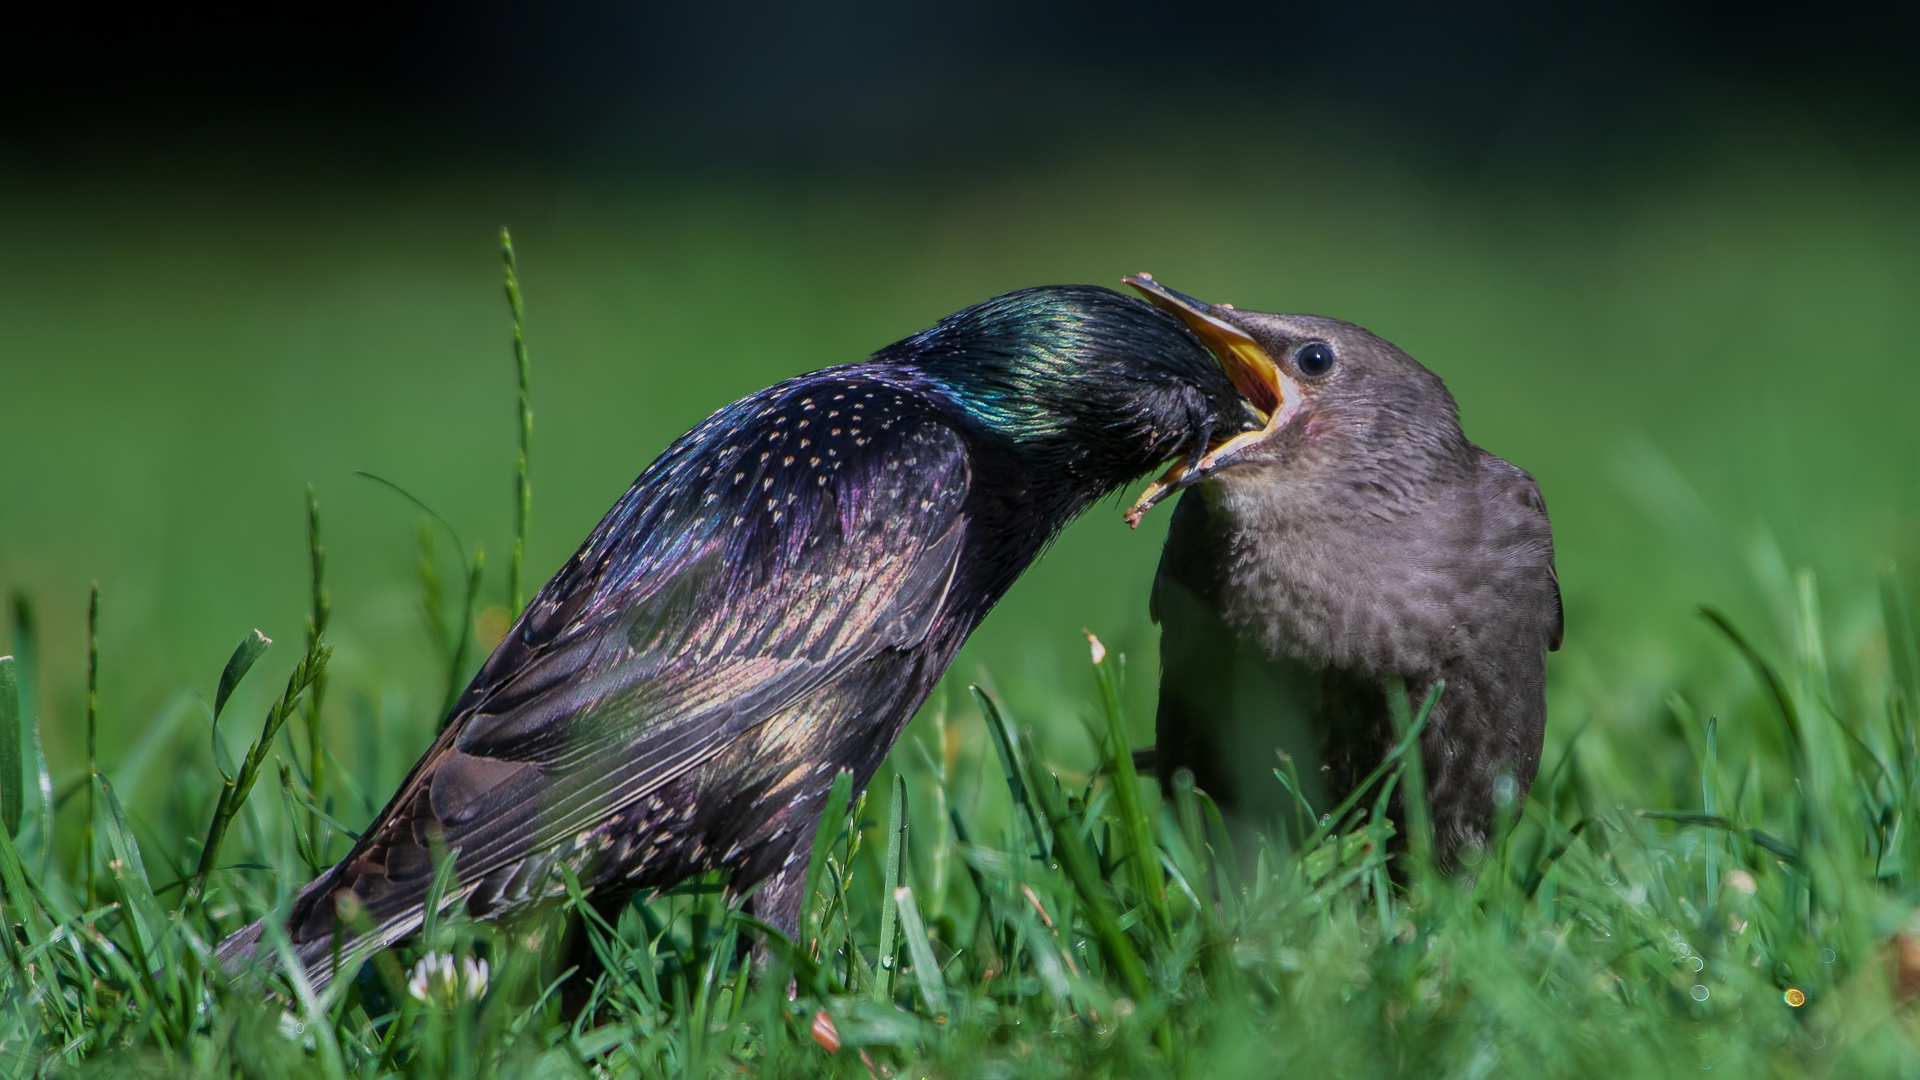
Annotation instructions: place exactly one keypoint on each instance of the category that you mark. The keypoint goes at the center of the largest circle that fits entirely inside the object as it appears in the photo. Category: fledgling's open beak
(1253, 372)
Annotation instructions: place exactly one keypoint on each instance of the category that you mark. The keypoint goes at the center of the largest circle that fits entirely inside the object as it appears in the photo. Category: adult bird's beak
(1252, 371)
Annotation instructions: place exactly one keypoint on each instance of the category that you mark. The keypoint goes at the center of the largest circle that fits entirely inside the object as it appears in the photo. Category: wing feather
(1518, 488)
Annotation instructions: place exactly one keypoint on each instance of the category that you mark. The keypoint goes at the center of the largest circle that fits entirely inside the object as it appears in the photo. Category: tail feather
(326, 958)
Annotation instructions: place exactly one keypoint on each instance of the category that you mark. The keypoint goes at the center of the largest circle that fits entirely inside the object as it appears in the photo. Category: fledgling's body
(1359, 539)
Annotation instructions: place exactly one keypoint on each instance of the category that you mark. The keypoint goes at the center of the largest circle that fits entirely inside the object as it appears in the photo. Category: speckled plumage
(768, 604)
(1365, 539)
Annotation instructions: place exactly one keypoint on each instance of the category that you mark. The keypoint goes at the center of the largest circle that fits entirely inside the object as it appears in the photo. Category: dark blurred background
(1667, 255)
(863, 85)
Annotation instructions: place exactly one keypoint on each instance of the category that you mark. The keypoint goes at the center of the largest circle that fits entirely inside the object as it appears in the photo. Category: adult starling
(1357, 538)
(768, 604)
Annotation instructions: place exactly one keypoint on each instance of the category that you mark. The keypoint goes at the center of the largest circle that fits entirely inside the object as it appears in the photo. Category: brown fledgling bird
(1357, 538)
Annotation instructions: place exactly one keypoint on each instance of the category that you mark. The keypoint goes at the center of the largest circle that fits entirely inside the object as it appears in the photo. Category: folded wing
(791, 537)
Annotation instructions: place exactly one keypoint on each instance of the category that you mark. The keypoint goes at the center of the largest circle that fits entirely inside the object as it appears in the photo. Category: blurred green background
(1686, 303)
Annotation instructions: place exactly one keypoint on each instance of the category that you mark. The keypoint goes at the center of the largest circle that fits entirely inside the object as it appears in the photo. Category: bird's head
(1087, 387)
(1341, 408)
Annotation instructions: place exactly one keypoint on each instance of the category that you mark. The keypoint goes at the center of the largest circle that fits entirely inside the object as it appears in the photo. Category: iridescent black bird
(1357, 538)
(768, 604)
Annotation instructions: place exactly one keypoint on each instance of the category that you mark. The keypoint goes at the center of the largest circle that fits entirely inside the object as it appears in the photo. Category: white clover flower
(436, 982)
(428, 972)
(474, 980)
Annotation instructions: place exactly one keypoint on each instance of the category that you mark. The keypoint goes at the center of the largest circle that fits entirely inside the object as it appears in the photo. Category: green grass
(1709, 368)
(1055, 923)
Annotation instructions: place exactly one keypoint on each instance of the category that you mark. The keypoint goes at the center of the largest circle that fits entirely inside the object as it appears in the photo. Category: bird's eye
(1314, 359)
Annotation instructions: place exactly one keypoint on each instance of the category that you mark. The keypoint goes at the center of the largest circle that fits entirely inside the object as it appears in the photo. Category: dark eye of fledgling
(1314, 359)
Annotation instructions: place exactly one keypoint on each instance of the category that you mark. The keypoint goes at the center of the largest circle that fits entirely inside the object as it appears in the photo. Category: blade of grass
(1003, 742)
(926, 972)
(147, 920)
(463, 643)
(1413, 774)
(895, 871)
(233, 795)
(26, 650)
(245, 655)
(1225, 858)
(833, 821)
(452, 641)
(22, 903)
(1538, 873)
(13, 773)
(1409, 739)
(1709, 782)
(87, 854)
(319, 606)
(1785, 851)
(963, 846)
(313, 1010)
(522, 489)
(1289, 776)
(1083, 872)
(444, 882)
(1770, 680)
(1141, 850)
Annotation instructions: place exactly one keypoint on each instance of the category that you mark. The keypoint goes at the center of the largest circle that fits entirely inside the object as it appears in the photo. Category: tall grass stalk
(13, 773)
(523, 369)
(26, 651)
(88, 853)
(234, 790)
(319, 608)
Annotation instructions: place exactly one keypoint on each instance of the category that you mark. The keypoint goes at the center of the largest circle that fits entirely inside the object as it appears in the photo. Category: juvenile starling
(768, 604)
(1357, 538)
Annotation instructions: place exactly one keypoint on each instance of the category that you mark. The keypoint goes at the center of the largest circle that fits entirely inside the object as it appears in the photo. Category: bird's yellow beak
(1247, 364)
